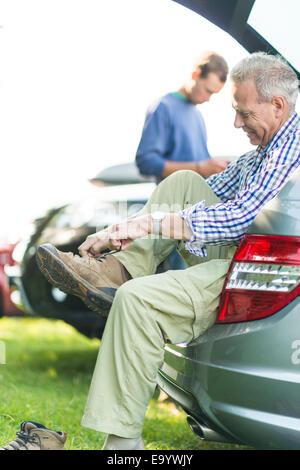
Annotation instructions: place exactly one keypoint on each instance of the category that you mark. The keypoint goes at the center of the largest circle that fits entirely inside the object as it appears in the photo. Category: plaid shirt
(244, 188)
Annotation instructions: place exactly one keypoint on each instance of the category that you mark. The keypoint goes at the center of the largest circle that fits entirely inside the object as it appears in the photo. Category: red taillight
(263, 277)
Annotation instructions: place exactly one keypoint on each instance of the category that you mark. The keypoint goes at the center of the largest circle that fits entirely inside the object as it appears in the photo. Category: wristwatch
(157, 218)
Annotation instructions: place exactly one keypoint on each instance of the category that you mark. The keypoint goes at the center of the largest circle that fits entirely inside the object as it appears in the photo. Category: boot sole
(61, 276)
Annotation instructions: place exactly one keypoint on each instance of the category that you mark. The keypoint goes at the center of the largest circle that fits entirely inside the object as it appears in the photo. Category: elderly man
(205, 219)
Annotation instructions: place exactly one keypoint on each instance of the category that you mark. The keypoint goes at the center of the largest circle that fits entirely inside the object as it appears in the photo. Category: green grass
(46, 379)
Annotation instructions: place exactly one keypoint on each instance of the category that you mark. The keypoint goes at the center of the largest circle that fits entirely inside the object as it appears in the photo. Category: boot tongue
(27, 426)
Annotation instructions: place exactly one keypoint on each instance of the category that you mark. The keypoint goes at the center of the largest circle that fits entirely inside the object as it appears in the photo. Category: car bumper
(241, 380)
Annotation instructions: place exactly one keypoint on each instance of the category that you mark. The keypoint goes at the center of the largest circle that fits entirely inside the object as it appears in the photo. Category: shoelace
(23, 439)
(102, 257)
(89, 261)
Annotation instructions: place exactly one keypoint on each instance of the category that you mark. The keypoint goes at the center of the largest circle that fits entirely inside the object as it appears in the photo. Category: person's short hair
(212, 62)
(272, 76)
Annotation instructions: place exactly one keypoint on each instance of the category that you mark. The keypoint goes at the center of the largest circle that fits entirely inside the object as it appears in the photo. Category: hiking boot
(35, 436)
(94, 281)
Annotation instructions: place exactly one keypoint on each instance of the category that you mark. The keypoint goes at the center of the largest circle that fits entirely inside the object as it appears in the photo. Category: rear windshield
(278, 22)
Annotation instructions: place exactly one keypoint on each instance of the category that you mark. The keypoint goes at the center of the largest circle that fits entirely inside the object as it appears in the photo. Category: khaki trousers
(151, 310)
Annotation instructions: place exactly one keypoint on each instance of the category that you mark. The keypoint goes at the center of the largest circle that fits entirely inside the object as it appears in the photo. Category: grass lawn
(46, 379)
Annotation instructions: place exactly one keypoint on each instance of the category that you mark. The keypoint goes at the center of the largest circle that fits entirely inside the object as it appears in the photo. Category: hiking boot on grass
(35, 436)
(94, 281)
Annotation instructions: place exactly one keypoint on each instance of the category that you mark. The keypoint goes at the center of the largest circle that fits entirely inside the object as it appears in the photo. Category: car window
(281, 28)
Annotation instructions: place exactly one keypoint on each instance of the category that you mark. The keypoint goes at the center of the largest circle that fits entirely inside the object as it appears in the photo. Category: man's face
(205, 87)
(257, 119)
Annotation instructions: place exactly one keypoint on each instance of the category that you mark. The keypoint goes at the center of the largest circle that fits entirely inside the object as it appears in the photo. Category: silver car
(240, 381)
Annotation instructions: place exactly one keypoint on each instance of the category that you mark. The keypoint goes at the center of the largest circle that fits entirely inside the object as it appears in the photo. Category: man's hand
(116, 237)
(119, 236)
(207, 168)
(211, 166)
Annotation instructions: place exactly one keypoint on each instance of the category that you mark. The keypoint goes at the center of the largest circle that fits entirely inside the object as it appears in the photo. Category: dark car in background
(115, 193)
(240, 381)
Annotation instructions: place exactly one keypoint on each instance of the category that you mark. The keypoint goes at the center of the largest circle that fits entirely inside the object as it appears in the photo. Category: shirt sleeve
(226, 184)
(155, 142)
(226, 222)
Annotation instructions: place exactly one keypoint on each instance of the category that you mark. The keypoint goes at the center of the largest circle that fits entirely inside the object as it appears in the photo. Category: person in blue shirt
(174, 135)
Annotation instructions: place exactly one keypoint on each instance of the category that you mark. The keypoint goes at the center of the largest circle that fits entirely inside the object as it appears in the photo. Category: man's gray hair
(272, 76)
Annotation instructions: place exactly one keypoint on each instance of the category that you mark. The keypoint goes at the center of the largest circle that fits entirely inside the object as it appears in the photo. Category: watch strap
(156, 227)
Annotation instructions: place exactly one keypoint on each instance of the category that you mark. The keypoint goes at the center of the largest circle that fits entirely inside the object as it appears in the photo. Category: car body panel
(241, 383)
(126, 173)
(281, 216)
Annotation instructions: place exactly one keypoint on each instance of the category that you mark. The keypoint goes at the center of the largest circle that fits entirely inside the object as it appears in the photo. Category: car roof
(232, 16)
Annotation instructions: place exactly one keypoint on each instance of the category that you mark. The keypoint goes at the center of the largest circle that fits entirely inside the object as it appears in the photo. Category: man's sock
(123, 443)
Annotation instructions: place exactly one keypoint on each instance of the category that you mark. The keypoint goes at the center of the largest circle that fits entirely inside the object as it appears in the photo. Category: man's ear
(279, 104)
(196, 73)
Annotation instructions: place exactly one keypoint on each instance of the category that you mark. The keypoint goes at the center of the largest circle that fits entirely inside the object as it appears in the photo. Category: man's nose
(238, 121)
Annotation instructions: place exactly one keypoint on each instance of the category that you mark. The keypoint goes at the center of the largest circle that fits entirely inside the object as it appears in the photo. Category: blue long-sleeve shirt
(174, 130)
